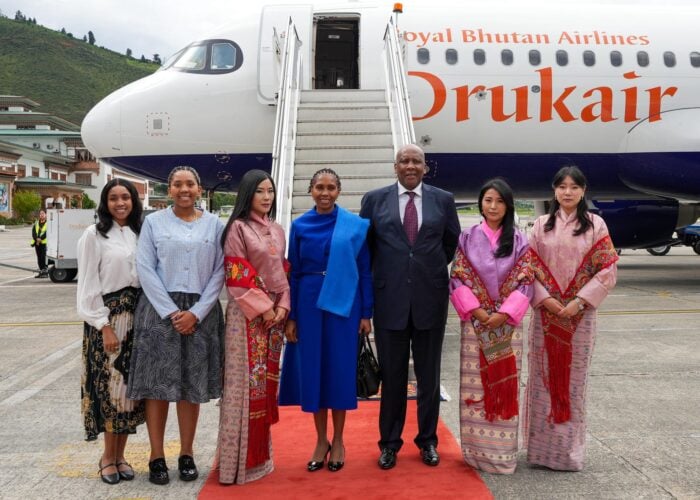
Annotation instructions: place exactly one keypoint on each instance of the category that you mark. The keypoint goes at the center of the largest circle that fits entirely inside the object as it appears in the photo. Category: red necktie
(410, 218)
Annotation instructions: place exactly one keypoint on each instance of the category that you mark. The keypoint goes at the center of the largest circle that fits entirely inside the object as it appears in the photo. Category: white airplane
(516, 89)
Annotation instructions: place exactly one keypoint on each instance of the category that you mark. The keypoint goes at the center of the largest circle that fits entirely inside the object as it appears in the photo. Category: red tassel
(500, 383)
(557, 343)
(258, 442)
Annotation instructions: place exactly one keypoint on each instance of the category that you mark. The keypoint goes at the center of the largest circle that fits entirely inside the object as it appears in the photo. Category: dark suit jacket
(410, 279)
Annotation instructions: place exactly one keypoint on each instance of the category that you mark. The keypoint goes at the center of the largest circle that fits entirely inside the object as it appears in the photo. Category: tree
(219, 199)
(63, 31)
(19, 16)
(84, 38)
(143, 58)
(88, 202)
(26, 202)
(156, 59)
(91, 38)
(128, 52)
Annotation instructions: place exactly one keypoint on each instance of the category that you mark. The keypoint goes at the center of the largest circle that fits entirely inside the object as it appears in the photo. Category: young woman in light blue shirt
(179, 324)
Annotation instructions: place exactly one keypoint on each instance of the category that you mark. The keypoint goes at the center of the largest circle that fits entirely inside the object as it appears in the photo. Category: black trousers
(40, 256)
(393, 349)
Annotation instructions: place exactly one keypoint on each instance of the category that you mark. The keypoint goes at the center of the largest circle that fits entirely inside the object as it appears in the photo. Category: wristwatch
(581, 305)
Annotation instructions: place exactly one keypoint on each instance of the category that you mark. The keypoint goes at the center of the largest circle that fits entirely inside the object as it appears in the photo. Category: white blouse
(104, 265)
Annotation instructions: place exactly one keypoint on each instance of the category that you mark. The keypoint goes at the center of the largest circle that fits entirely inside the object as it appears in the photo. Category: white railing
(284, 141)
(397, 89)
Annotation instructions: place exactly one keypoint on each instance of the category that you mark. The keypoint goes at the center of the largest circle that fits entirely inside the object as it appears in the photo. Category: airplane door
(269, 62)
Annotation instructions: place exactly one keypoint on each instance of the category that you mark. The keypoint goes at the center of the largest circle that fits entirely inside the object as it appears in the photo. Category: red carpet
(293, 439)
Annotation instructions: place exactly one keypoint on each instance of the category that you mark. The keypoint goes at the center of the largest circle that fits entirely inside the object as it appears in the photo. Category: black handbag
(368, 373)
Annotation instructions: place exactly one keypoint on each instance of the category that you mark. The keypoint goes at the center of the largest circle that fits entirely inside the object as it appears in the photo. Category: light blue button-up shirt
(178, 256)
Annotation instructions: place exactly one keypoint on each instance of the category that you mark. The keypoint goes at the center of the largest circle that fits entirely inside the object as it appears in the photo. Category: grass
(65, 75)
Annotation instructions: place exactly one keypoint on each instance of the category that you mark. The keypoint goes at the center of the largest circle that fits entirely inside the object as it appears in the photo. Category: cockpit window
(208, 56)
(193, 58)
(223, 56)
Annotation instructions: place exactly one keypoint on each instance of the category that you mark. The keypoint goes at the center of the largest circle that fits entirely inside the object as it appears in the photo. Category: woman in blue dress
(331, 292)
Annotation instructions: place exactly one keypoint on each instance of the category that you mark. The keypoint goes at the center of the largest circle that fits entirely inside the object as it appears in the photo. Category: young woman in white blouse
(108, 288)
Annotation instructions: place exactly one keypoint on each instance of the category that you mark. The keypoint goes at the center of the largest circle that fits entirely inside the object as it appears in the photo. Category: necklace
(193, 218)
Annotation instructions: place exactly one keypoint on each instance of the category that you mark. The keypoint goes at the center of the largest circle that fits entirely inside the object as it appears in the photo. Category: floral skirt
(105, 407)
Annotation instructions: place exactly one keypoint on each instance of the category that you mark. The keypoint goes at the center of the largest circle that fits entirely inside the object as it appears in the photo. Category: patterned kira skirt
(105, 406)
(168, 366)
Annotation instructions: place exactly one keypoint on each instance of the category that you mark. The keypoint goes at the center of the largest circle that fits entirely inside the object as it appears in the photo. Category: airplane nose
(101, 129)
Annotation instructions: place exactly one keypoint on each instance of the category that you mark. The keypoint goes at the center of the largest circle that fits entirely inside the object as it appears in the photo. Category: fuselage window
(223, 56)
(669, 59)
(479, 56)
(695, 59)
(423, 56)
(451, 56)
(643, 58)
(208, 57)
(616, 58)
(562, 57)
(534, 57)
(588, 57)
(507, 57)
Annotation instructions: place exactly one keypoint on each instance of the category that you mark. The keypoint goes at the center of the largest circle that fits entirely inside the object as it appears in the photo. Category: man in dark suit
(413, 236)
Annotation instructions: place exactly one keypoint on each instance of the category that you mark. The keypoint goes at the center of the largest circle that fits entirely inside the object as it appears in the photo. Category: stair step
(324, 113)
(346, 152)
(343, 105)
(343, 140)
(368, 167)
(339, 95)
(344, 126)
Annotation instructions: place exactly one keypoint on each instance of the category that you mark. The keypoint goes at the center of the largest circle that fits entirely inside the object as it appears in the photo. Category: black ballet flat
(336, 466)
(314, 465)
(108, 478)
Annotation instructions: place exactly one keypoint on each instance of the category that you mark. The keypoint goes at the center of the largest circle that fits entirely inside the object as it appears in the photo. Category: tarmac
(643, 438)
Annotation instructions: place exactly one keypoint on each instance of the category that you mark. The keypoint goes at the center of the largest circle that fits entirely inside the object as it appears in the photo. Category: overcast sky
(145, 26)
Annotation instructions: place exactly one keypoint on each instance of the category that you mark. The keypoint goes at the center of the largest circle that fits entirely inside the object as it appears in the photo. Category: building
(46, 154)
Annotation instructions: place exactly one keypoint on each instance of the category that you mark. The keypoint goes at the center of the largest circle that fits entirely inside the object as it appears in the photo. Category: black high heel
(336, 466)
(314, 465)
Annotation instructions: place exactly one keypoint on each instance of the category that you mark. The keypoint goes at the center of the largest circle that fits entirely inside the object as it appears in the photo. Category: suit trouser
(40, 256)
(393, 349)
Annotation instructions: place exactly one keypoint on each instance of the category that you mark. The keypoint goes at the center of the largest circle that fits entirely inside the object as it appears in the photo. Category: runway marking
(48, 379)
(27, 372)
(17, 267)
(41, 323)
(15, 281)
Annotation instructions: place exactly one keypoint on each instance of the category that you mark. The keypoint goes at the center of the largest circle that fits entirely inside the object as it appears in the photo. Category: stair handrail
(284, 141)
(397, 88)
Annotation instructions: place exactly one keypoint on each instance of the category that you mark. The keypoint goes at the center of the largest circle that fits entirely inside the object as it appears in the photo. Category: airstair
(354, 132)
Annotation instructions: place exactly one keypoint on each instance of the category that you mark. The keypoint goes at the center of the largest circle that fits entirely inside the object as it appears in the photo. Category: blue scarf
(340, 284)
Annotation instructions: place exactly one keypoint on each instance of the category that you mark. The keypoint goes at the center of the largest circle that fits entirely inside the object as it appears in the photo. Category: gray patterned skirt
(168, 366)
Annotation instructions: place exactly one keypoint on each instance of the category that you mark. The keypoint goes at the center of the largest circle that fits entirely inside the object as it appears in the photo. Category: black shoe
(126, 475)
(158, 471)
(387, 459)
(430, 455)
(188, 470)
(314, 465)
(108, 478)
(336, 466)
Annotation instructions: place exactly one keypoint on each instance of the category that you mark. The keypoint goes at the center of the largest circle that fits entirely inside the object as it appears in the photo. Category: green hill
(65, 75)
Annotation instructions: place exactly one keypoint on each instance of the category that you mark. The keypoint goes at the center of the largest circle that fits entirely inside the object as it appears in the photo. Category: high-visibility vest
(39, 231)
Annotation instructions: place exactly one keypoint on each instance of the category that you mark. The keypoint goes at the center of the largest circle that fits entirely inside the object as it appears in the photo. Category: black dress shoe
(108, 478)
(158, 471)
(387, 459)
(336, 466)
(126, 475)
(188, 470)
(314, 465)
(430, 455)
